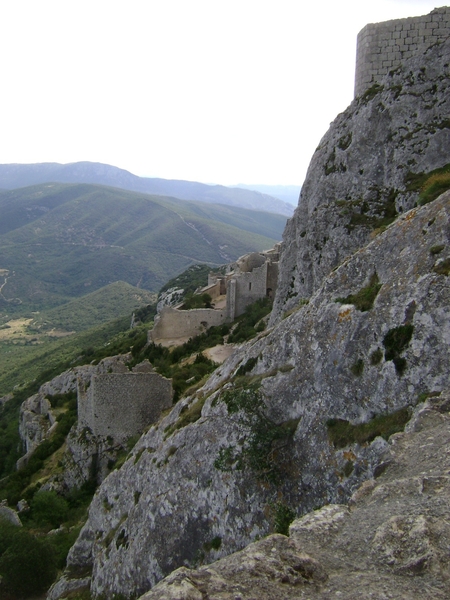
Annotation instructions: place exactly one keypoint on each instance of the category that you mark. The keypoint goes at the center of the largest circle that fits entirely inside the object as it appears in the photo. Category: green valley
(62, 241)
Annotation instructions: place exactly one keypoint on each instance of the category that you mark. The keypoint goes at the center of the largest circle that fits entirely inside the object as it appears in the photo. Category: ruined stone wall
(245, 289)
(174, 324)
(382, 47)
(251, 261)
(213, 289)
(121, 405)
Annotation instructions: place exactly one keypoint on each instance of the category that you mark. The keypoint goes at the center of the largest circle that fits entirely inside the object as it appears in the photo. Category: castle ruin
(252, 277)
(122, 403)
(381, 47)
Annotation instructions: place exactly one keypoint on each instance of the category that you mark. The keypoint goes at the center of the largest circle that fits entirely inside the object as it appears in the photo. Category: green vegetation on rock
(363, 299)
(342, 433)
(266, 444)
(430, 185)
(250, 322)
(395, 343)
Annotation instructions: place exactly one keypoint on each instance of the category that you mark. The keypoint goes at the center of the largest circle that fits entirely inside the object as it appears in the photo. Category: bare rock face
(36, 420)
(390, 542)
(278, 428)
(360, 175)
(218, 469)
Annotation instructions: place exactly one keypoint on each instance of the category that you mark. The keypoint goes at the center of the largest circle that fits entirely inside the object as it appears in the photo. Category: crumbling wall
(251, 261)
(172, 323)
(245, 288)
(121, 405)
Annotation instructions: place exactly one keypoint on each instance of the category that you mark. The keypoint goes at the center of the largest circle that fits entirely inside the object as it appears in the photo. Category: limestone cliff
(361, 174)
(390, 541)
(365, 333)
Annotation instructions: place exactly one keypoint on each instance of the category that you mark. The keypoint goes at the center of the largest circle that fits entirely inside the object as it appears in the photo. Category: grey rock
(170, 297)
(206, 472)
(10, 515)
(360, 171)
(392, 542)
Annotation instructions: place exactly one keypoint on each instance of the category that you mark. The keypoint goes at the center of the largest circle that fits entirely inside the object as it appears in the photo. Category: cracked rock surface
(391, 541)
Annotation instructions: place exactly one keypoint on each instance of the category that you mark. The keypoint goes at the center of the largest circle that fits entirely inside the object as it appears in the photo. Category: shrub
(245, 329)
(376, 356)
(395, 342)
(430, 185)
(358, 367)
(364, 299)
(27, 564)
(433, 187)
(262, 452)
(442, 267)
(197, 301)
(437, 249)
(47, 508)
(284, 515)
(342, 433)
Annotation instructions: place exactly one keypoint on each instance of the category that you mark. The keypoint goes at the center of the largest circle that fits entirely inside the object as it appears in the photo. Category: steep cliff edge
(287, 423)
(362, 173)
(207, 481)
(390, 541)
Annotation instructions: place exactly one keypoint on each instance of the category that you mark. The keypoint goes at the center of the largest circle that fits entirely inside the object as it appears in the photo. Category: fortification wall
(174, 324)
(123, 404)
(245, 289)
(381, 47)
(251, 261)
(213, 289)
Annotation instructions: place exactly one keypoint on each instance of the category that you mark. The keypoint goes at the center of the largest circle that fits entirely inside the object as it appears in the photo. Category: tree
(27, 564)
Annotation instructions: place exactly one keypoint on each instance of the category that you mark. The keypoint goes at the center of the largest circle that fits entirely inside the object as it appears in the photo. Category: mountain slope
(298, 417)
(94, 309)
(263, 441)
(63, 241)
(18, 175)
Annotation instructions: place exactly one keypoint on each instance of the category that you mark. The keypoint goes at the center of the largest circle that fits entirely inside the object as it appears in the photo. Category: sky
(235, 91)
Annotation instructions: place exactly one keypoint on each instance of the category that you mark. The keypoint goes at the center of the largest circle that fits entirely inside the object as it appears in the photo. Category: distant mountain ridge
(286, 193)
(22, 175)
(62, 241)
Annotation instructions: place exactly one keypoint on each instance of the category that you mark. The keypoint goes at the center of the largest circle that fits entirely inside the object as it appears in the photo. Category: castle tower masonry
(121, 405)
(381, 47)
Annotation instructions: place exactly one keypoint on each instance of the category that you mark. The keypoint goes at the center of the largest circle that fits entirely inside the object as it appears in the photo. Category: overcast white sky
(229, 91)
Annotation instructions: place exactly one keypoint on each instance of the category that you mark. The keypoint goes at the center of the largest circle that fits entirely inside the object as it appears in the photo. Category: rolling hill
(21, 175)
(62, 241)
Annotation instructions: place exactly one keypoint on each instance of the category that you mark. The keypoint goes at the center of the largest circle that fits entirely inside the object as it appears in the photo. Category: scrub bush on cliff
(27, 564)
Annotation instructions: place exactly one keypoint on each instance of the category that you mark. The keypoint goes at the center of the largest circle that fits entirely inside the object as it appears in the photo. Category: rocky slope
(261, 440)
(393, 529)
(360, 176)
(225, 476)
(85, 454)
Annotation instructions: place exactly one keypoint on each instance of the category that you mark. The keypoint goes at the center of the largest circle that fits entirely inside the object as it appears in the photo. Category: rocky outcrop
(85, 454)
(10, 515)
(35, 422)
(360, 175)
(390, 541)
(283, 426)
(224, 470)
